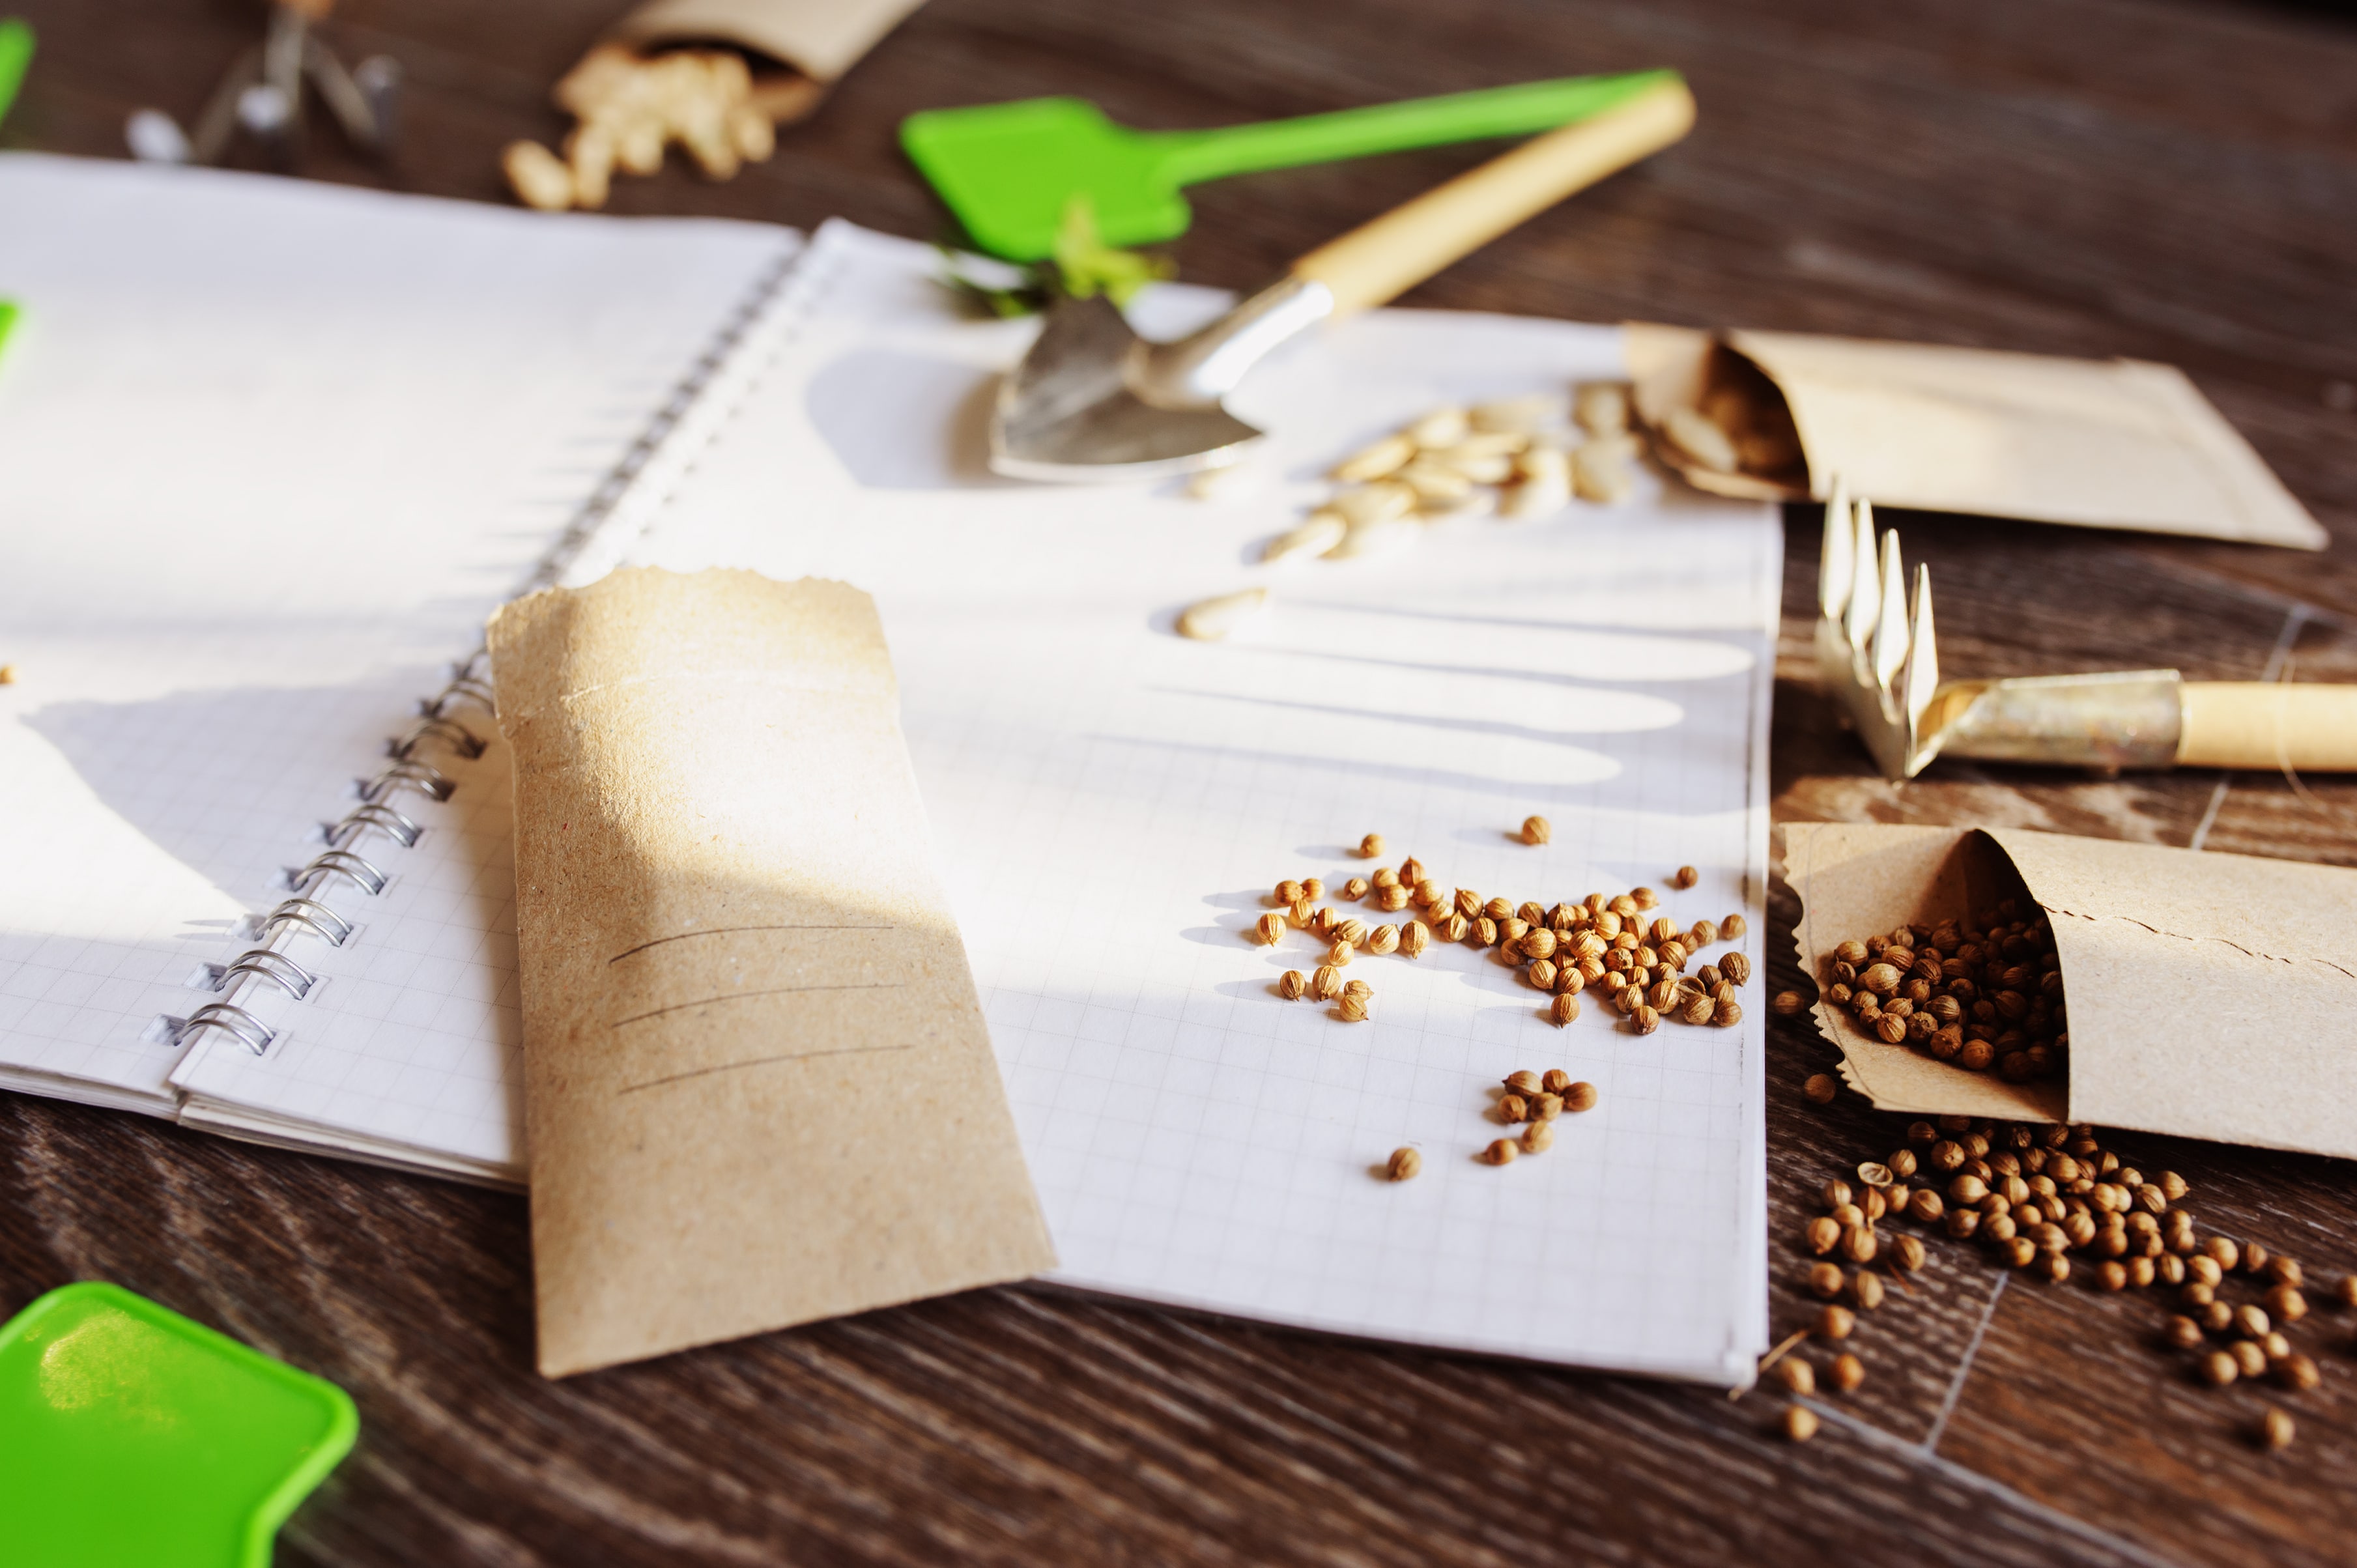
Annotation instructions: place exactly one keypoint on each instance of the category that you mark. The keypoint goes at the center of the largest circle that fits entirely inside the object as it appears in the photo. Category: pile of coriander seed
(1988, 992)
(1599, 943)
(2035, 1197)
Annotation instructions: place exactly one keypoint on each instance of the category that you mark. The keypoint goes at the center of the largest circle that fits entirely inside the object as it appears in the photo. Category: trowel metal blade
(1066, 413)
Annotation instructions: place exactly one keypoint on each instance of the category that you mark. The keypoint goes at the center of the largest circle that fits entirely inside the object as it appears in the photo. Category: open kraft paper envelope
(2096, 443)
(2208, 995)
(758, 1086)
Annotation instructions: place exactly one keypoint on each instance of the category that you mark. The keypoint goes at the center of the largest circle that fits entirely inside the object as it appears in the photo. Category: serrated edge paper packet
(2206, 996)
(2094, 443)
(758, 1086)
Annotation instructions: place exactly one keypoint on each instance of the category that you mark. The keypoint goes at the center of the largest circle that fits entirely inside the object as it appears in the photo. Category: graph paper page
(1111, 805)
(272, 450)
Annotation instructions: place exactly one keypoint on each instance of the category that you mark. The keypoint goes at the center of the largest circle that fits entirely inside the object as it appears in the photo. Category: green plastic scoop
(130, 1435)
(1009, 170)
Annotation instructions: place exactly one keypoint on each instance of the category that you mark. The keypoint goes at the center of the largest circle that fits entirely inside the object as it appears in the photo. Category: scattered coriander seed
(1383, 940)
(2182, 1333)
(1800, 1422)
(2286, 1303)
(1874, 1174)
(2255, 1258)
(1288, 891)
(1546, 1107)
(1579, 1097)
(1538, 1138)
(2296, 1372)
(2345, 1292)
(1858, 1244)
(2275, 1347)
(2217, 1317)
(1536, 829)
(2249, 1359)
(1797, 1376)
(1404, 1165)
(1736, 968)
(1541, 973)
(2054, 1266)
(2222, 1250)
(1500, 1152)
(1644, 1019)
(1355, 1008)
(2284, 1271)
(2111, 1275)
(1312, 889)
(2205, 1269)
(2276, 1430)
(1357, 887)
(1821, 1088)
(1269, 929)
(1907, 1252)
(1824, 1234)
(1338, 954)
(1372, 847)
(1293, 985)
(2251, 1322)
(1825, 1280)
(1563, 1009)
(2169, 1269)
(1523, 1082)
(1686, 876)
(1926, 1205)
(1848, 1372)
(1414, 939)
(1513, 1109)
(2218, 1369)
(1726, 1015)
(1411, 871)
(1555, 1080)
(1865, 1289)
(1731, 929)
(1326, 983)
(1836, 1192)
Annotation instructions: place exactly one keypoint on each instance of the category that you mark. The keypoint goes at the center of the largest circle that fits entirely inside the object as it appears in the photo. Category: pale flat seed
(1435, 484)
(1376, 538)
(1519, 414)
(1320, 533)
(1699, 439)
(1602, 408)
(1544, 463)
(1374, 462)
(1373, 503)
(1482, 468)
(1535, 498)
(1233, 482)
(1215, 619)
(1441, 427)
(1488, 444)
(1478, 501)
(1603, 477)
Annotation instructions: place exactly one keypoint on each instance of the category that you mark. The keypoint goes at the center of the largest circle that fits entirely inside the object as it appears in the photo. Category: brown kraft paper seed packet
(759, 1090)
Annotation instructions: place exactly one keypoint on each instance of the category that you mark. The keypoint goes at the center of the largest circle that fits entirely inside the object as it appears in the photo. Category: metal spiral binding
(423, 776)
(270, 965)
(312, 913)
(407, 771)
(337, 863)
(361, 819)
(250, 1031)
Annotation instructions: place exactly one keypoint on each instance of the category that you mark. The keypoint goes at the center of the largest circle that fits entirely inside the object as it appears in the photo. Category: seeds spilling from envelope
(1983, 994)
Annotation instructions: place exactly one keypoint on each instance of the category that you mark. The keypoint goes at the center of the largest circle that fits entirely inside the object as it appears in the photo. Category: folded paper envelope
(2207, 995)
(758, 1089)
(2098, 442)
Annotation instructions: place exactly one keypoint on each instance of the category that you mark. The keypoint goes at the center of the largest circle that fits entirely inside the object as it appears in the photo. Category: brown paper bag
(2101, 444)
(819, 38)
(758, 1088)
(2207, 995)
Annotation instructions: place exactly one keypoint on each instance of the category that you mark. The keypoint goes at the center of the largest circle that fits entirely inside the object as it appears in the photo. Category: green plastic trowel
(1009, 170)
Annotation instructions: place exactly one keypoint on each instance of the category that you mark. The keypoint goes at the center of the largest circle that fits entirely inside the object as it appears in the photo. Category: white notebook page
(1110, 805)
(269, 453)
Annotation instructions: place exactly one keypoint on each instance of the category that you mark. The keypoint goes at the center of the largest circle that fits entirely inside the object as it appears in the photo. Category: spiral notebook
(270, 452)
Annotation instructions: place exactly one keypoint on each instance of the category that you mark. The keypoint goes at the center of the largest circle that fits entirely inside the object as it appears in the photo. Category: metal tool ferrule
(1203, 367)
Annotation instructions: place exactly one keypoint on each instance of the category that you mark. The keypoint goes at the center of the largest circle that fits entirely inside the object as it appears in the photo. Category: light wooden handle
(2257, 724)
(1381, 260)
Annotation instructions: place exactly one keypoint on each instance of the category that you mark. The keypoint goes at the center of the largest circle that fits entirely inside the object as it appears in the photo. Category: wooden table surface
(2175, 181)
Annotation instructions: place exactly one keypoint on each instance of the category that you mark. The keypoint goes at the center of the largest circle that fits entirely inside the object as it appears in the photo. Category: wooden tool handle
(2256, 724)
(1379, 261)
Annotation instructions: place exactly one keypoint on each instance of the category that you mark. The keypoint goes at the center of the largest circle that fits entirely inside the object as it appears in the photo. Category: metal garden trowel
(1877, 654)
(1095, 402)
